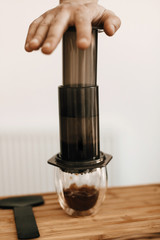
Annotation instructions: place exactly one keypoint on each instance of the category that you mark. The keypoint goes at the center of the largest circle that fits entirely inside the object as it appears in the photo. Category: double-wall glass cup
(81, 194)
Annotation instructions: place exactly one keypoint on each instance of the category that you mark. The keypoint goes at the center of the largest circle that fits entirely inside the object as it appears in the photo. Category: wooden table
(127, 213)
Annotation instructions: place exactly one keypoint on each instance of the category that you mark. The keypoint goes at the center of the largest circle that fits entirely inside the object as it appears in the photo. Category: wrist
(78, 1)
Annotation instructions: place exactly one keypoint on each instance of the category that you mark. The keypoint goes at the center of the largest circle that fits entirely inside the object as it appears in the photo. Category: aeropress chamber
(80, 173)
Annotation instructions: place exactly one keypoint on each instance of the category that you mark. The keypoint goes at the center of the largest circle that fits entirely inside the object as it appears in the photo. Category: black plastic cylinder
(79, 123)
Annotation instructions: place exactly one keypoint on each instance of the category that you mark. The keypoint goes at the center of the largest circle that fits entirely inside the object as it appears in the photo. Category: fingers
(47, 30)
(31, 32)
(83, 27)
(111, 22)
(57, 28)
(41, 33)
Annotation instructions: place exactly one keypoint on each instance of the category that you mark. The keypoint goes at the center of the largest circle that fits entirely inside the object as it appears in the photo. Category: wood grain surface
(127, 213)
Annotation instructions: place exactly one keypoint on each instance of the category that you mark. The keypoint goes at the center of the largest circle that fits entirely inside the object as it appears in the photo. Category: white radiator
(23, 162)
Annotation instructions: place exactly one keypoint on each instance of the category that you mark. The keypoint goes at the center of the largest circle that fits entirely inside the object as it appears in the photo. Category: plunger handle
(25, 223)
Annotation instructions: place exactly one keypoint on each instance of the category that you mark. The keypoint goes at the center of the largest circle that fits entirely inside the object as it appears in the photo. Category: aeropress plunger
(80, 174)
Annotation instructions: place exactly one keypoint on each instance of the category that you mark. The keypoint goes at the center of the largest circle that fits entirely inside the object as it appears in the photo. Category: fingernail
(27, 45)
(83, 40)
(47, 45)
(34, 40)
(83, 43)
(113, 29)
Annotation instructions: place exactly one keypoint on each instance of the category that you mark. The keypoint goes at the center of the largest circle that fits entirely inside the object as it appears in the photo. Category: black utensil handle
(25, 223)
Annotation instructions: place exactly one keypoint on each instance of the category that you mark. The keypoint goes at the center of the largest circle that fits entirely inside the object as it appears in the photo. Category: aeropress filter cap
(79, 108)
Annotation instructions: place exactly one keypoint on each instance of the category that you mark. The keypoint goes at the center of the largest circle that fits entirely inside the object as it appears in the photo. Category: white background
(128, 77)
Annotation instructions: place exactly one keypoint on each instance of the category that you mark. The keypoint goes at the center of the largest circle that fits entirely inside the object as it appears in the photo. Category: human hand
(46, 31)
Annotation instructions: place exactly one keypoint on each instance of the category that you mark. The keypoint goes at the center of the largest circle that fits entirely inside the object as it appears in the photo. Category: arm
(46, 31)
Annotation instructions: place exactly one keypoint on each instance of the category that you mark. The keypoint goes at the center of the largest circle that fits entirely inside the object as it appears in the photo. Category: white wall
(128, 77)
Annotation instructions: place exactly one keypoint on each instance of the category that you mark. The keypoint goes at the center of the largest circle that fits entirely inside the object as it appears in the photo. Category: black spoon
(24, 217)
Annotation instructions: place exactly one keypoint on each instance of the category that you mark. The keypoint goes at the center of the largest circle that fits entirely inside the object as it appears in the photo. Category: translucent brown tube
(78, 101)
(79, 66)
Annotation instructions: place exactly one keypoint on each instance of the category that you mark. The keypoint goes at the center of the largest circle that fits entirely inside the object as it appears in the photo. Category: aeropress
(80, 173)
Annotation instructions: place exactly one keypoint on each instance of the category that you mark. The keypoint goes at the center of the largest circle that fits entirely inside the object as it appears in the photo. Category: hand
(46, 31)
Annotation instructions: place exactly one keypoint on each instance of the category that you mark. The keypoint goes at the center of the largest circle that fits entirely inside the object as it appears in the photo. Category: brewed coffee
(81, 198)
